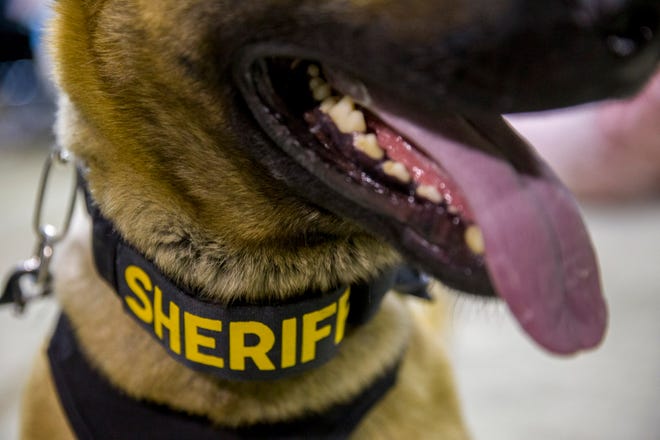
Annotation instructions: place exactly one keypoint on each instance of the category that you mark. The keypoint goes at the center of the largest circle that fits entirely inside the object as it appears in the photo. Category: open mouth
(353, 143)
(463, 196)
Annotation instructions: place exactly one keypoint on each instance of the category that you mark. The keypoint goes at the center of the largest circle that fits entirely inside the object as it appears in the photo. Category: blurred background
(511, 390)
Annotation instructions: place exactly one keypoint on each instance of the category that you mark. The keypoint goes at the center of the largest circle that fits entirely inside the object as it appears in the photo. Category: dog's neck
(259, 245)
(127, 356)
(291, 337)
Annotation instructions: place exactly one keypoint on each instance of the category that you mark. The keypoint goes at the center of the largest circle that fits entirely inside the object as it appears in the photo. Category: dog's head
(266, 146)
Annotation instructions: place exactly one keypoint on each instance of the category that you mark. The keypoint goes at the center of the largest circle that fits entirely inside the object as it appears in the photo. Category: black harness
(233, 342)
(96, 410)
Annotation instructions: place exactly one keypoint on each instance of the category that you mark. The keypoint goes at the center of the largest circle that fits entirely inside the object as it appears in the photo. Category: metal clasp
(32, 278)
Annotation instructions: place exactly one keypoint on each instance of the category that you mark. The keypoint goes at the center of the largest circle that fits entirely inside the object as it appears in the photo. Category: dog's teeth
(320, 89)
(355, 123)
(397, 170)
(315, 83)
(429, 192)
(342, 108)
(346, 118)
(475, 240)
(313, 70)
(328, 103)
(321, 92)
(368, 144)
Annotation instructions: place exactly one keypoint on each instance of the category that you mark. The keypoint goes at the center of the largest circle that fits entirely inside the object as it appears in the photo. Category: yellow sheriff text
(268, 345)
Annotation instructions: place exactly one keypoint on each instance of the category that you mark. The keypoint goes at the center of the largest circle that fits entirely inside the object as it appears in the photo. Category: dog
(289, 156)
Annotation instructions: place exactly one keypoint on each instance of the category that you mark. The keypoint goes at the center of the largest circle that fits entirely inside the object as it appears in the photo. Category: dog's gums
(338, 122)
(352, 141)
(461, 196)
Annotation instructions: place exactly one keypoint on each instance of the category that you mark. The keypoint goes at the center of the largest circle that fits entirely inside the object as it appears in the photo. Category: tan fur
(42, 415)
(165, 166)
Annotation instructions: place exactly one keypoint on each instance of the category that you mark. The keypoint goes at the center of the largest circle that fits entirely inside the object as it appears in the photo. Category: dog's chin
(456, 192)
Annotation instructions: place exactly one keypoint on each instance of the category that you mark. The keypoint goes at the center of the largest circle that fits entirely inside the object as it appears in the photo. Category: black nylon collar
(98, 411)
(237, 342)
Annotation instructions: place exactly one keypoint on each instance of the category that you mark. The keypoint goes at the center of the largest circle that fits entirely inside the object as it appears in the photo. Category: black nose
(557, 53)
(629, 28)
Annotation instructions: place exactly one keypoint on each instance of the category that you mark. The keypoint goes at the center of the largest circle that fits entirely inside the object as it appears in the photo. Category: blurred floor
(510, 389)
(20, 337)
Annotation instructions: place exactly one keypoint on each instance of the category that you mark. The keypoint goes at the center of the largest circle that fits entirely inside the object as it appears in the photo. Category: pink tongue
(538, 253)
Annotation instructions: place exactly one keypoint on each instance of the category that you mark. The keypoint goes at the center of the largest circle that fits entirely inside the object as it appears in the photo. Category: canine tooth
(429, 192)
(368, 144)
(396, 170)
(313, 70)
(321, 92)
(475, 240)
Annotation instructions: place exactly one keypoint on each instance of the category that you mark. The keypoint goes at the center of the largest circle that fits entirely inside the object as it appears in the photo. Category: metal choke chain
(32, 278)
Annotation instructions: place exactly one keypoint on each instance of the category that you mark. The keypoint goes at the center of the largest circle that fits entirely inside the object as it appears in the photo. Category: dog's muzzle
(399, 128)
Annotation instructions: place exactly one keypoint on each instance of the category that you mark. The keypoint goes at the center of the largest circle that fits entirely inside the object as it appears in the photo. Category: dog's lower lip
(401, 185)
(537, 252)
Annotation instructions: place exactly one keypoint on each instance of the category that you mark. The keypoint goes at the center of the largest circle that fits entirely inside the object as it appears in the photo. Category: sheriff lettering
(248, 342)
